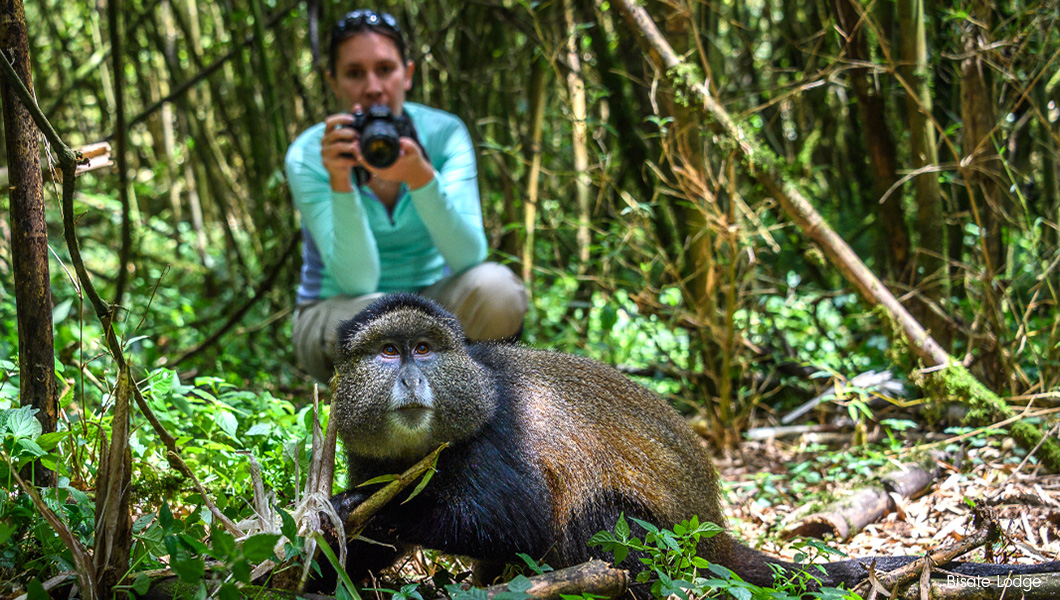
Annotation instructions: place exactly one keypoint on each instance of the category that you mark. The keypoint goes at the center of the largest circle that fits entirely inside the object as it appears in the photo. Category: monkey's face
(406, 385)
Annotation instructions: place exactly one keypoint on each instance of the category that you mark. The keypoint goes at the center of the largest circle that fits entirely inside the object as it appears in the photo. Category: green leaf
(288, 528)
(48, 441)
(223, 544)
(410, 592)
(260, 429)
(521, 583)
(61, 311)
(187, 568)
(227, 422)
(602, 537)
(380, 479)
(5, 533)
(646, 525)
(608, 317)
(258, 548)
(161, 381)
(202, 393)
(671, 543)
(457, 593)
(346, 588)
(721, 571)
(21, 422)
(31, 447)
(622, 528)
(193, 543)
(182, 403)
(51, 462)
(241, 570)
(422, 484)
(141, 584)
(709, 529)
(165, 518)
(35, 591)
(533, 565)
(228, 591)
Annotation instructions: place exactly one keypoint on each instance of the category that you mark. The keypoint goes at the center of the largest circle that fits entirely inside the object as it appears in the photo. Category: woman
(414, 226)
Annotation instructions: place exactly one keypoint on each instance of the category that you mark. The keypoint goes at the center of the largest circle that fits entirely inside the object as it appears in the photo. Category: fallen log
(849, 515)
(594, 577)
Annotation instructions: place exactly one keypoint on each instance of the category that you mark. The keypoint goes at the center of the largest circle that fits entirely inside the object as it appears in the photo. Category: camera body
(380, 132)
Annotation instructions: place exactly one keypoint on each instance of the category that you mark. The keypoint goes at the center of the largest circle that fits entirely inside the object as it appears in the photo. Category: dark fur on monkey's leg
(546, 449)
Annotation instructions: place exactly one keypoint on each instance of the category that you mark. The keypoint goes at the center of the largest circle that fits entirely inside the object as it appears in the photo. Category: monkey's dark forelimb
(355, 515)
(355, 508)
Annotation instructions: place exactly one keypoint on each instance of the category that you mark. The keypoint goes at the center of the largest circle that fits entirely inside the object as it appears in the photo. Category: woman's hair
(361, 21)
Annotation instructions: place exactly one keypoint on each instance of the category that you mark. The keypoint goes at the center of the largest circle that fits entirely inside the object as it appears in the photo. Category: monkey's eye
(423, 349)
(390, 351)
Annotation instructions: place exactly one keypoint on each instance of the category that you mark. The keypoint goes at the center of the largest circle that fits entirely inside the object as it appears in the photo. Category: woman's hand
(410, 168)
(339, 150)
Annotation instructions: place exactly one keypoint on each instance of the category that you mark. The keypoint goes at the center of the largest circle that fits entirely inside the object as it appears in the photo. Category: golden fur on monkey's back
(604, 444)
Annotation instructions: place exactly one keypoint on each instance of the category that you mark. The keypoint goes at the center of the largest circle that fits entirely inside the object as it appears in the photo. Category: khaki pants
(488, 299)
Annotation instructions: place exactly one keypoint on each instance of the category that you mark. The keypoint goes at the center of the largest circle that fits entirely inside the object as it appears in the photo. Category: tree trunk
(622, 114)
(1050, 199)
(978, 121)
(114, 19)
(538, 99)
(930, 219)
(113, 520)
(29, 233)
(276, 129)
(878, 141)
(580, 137)
(980, 175)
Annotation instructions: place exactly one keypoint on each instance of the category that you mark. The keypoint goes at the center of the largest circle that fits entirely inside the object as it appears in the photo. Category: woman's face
(369, 71)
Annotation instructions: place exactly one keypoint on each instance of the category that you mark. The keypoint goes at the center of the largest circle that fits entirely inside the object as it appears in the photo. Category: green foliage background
(695, 282)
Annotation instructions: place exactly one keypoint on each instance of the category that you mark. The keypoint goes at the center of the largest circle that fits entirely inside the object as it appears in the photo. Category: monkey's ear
(347, 331)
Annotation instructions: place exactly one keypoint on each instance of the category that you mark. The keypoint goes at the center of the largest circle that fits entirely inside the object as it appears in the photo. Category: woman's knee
(490, 301)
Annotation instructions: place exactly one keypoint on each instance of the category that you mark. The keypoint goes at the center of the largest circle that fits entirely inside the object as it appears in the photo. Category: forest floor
(1029, 512)
(761, 496)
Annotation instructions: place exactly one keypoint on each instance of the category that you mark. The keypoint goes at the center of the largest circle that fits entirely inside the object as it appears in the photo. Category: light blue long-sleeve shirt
(352, 246)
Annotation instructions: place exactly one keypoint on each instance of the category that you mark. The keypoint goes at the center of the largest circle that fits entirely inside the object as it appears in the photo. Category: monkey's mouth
(411, 415)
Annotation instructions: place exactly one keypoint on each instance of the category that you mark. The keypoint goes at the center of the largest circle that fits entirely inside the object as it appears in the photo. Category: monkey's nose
(411, 388)
(412, 381)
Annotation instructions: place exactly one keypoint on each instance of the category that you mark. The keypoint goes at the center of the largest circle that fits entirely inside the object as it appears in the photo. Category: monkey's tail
(754, 567)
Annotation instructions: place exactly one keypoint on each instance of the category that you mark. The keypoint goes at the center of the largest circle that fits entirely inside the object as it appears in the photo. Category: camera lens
(379, 143)
(379, 137)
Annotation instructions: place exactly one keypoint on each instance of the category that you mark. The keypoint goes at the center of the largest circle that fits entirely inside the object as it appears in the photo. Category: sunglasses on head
(363, 16)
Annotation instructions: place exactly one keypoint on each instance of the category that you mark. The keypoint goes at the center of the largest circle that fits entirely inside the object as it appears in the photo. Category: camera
(379, 130)
(379, 133)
